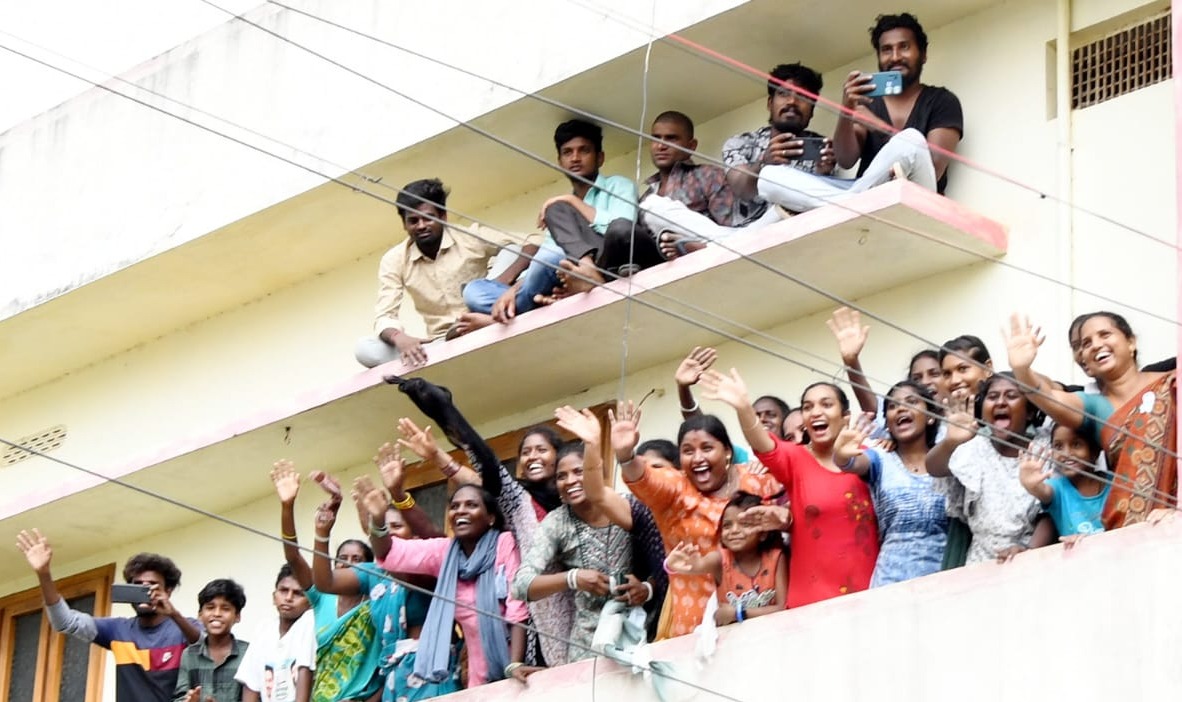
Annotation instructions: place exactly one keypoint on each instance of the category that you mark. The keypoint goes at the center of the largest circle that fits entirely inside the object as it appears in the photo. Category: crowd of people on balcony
(951, 468)
(955, 464)
(605, 228)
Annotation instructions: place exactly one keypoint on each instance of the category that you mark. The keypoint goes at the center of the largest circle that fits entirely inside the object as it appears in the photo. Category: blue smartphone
(886, 83)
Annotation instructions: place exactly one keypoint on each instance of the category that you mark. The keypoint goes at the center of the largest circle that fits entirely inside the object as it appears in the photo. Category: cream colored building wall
(201, 182)
(301, 337)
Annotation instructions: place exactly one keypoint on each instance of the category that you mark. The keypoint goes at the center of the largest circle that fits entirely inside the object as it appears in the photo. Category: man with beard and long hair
(933, 112)
(148, 646)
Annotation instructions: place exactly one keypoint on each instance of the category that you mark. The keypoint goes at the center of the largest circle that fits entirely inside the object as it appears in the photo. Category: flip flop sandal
(677, 240)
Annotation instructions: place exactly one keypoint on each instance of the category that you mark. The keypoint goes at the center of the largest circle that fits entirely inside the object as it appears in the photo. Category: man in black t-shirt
(770, 166)
(930, 111)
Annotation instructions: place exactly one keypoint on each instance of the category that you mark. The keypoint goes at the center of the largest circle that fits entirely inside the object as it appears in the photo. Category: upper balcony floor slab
(122, 224)
(880, 240)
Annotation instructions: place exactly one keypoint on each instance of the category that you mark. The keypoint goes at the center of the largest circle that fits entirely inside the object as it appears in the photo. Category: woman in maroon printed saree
(1134, 417)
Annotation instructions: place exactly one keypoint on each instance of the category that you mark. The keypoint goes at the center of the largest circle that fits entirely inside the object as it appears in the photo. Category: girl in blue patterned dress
(912, 522)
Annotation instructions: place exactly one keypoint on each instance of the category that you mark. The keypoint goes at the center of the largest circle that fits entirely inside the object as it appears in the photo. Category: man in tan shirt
(432, 265)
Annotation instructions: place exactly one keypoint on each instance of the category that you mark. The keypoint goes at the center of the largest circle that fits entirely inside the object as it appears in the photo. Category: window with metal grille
(1122, 61)
(43, 442)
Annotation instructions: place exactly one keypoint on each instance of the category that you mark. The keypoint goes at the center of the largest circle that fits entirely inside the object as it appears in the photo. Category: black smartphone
(812, 148)
(132, 594)
(618, 581)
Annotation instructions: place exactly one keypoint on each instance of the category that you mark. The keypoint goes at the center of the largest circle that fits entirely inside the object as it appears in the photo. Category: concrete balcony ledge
(1097, 622)
(529, 362)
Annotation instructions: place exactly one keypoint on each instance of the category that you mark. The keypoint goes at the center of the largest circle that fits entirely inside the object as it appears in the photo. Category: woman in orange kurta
(688, 503)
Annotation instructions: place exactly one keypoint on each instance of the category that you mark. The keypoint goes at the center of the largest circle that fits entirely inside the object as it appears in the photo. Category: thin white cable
(545, 162)
(638, 26)
(700, 155)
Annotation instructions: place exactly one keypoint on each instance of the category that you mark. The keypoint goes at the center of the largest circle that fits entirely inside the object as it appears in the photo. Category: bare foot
(469, 322)
(558, 293)
(579, 277)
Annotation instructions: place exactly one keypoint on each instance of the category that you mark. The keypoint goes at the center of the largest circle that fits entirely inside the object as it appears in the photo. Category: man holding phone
(781, 144)
(917, 109)
(148, 646)
(787, 165)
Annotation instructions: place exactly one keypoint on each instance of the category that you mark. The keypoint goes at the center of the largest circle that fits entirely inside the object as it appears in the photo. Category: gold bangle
(288, 537)
(405, 504)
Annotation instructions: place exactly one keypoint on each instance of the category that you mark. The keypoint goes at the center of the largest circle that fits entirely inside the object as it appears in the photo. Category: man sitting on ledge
(691, 200)
(926, 113)
(592, 234)
(774, 164)
(594, 223)
(432, 265)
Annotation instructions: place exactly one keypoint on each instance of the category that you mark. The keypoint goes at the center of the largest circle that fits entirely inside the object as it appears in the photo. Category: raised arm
(39, 554)
(688, 559)
(848, 454)
(1022, 343)
(422, 442)
(393, 471)
(625, 421)
(733, 391)
(326, 578)
(287, 487)
(586, 426)
(687, 375)
(846, 325)
(850, 135)
(961, 427)
(161, 600)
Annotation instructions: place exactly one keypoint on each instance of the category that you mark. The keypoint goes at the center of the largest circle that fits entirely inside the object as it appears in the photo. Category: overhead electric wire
(469, 232)
(639, 179)
(214, 516)
(380, 572)
(701, 155)
(718, 58)
(548, 164)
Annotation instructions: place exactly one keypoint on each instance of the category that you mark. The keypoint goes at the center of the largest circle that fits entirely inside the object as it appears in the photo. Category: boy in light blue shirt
(595, 224)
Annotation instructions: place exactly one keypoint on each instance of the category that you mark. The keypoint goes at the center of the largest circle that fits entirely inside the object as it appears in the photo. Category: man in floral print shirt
(686, 204)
